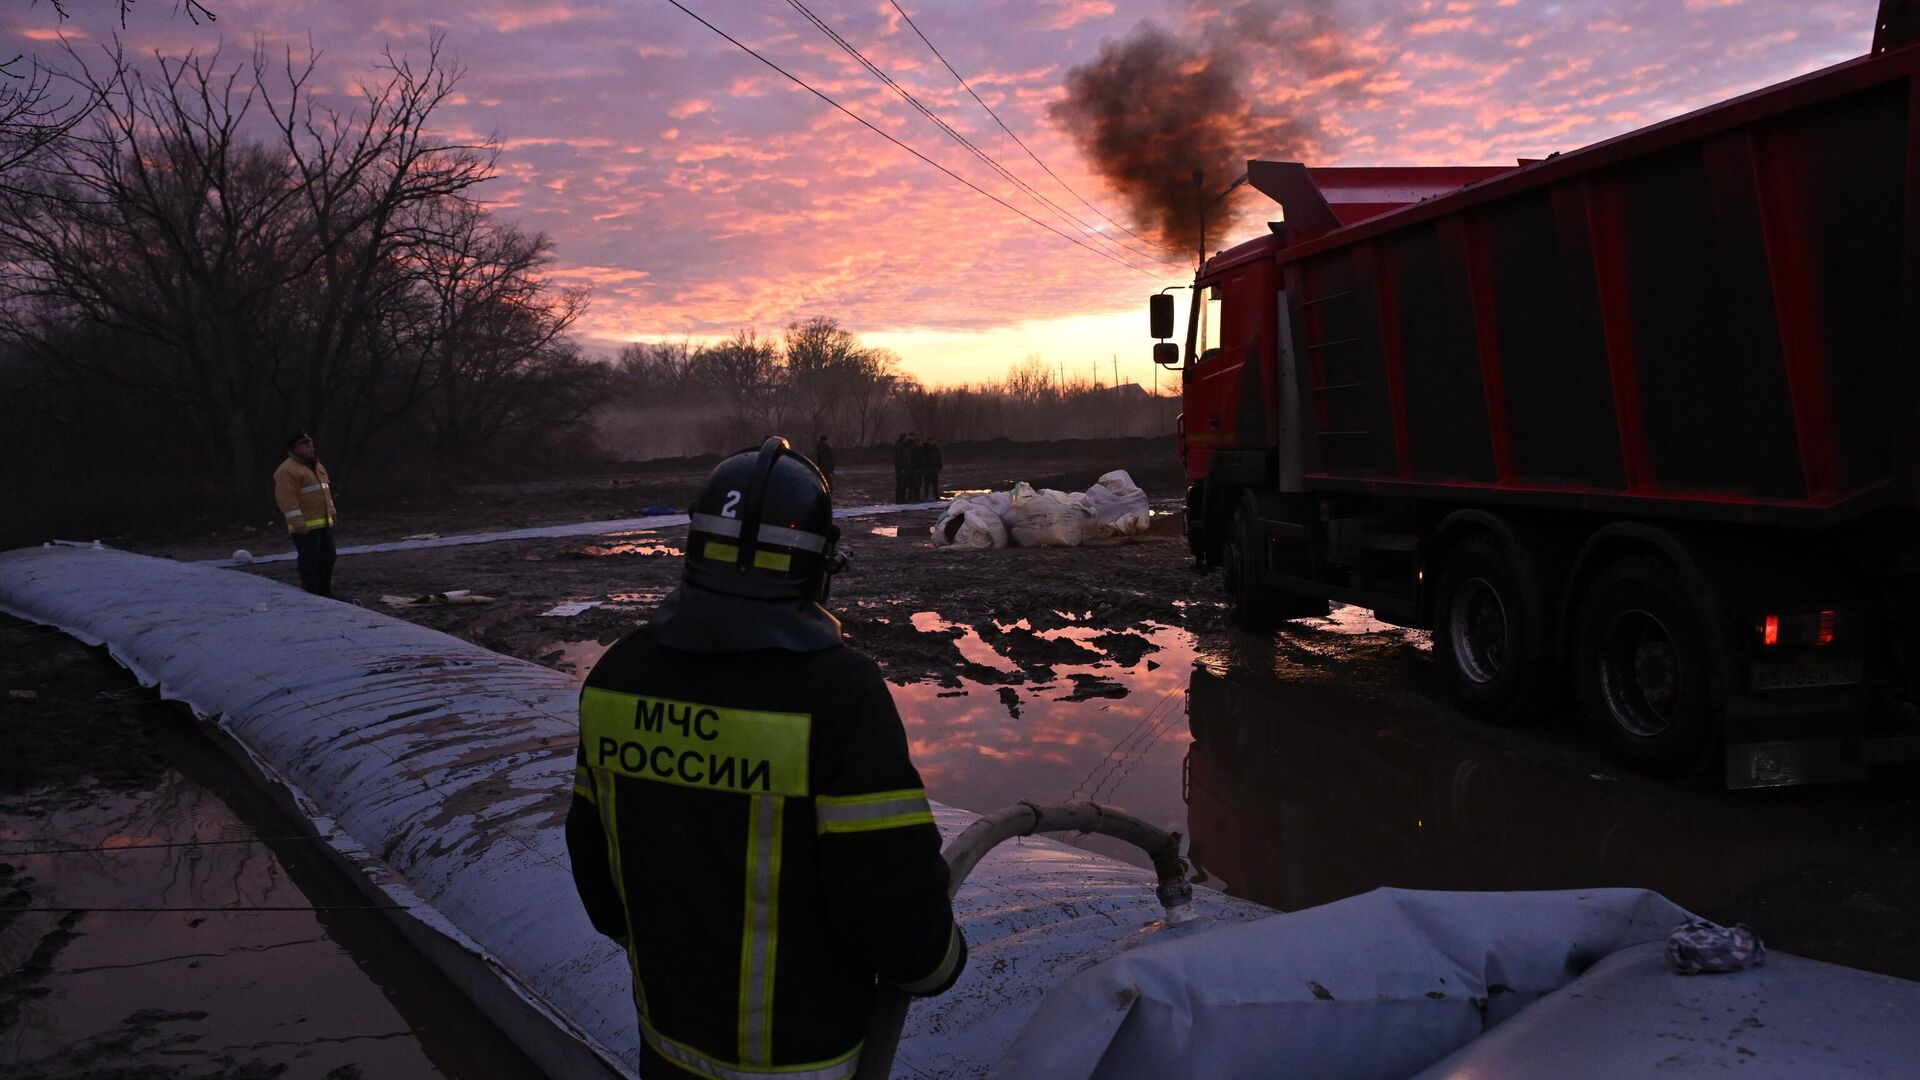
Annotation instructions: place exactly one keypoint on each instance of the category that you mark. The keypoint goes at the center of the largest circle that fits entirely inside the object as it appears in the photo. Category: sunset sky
(697, 191)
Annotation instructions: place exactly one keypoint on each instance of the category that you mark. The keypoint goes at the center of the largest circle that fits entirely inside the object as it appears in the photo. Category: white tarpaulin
(440, 773)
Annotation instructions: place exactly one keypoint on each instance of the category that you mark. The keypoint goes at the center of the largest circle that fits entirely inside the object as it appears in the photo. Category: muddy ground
(1353, 725)
(1304, 766)
(895, 570)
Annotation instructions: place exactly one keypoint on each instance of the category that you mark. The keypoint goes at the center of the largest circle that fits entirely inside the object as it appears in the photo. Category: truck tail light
(1798, 629)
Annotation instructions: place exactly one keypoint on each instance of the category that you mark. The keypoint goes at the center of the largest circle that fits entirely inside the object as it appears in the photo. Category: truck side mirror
(1166, 354)
(1160, 314)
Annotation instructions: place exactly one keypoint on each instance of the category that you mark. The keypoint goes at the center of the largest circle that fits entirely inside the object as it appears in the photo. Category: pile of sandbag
(1042, 517)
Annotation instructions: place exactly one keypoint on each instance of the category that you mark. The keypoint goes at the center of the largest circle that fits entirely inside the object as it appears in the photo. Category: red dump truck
(1640, 418)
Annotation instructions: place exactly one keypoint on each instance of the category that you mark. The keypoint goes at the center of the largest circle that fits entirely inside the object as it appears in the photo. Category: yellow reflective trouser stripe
(777, 561)
(943, 971)
(872, 812)
(758, 940)
(606, 786)
(681, 1054)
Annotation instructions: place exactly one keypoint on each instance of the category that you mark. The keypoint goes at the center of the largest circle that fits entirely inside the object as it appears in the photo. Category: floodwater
(185, 929)
(1076, 711)
(1325, 762)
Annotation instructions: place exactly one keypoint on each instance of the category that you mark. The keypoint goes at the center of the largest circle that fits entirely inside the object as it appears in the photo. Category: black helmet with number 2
(761, 547)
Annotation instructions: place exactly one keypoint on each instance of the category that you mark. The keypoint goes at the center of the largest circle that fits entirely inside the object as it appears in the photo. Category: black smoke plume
(1154, 107)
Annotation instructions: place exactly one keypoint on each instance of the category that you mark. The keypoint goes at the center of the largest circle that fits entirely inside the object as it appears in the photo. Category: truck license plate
(1808, 674)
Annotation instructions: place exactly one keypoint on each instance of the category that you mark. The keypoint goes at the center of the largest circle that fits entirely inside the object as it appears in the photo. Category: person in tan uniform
(305, 497)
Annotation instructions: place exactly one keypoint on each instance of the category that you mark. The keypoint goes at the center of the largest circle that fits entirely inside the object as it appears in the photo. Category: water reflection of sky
(648, 548)
(984, 746)
(996, 745)
(189, 924)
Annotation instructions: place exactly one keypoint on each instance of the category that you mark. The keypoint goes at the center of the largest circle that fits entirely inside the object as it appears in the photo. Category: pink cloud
(1439, 26)
(695, 199)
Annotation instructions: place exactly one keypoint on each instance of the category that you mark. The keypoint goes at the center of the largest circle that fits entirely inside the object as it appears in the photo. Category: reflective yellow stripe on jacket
(872, 812)
(759, 754)
(303, 494)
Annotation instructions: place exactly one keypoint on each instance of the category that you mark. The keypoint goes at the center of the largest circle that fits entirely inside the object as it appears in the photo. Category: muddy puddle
(1325, 762)
(1055, 708)
(159, 919)
(641, 548)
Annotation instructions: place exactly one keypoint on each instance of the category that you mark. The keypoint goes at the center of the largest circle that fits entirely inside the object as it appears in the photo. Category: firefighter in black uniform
(745, 818)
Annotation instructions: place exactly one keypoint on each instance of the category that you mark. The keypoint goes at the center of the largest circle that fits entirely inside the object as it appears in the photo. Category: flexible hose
(1024, 819)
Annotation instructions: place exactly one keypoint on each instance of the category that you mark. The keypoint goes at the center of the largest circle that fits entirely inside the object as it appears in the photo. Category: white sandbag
(1046, 518)
(954, 513)
(971, 524)
(975, 530)
(1119, 505)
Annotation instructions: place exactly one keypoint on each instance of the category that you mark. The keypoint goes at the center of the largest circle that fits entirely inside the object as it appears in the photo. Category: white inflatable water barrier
(439, 773)
(550, 532)
(1463, 986)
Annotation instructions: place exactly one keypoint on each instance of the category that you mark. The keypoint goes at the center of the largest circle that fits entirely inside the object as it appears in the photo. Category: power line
(906, 95)
(968, 144)
(1017, 140)
(803, 84)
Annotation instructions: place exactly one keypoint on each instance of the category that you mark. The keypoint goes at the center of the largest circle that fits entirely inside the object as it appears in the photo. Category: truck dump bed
(1713, 317)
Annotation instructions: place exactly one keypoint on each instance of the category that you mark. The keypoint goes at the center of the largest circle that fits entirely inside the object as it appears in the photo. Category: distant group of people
(916, 468)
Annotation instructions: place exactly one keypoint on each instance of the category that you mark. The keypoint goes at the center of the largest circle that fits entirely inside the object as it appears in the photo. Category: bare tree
(822, 358)
(253, 272)
(745, 372)
(494, 320)
(192, 9)
(38, 108)
(37, 111)
(868, 395)
(657, 372)
(1030, 380)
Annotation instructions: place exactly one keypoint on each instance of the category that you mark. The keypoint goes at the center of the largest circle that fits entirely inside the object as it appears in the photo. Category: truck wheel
(1248, 601)
(1482, 620)
(1642, 660)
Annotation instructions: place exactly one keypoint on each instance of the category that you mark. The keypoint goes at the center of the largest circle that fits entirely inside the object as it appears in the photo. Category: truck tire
(1248, 601)
(1643, 668)
(1483, 618)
